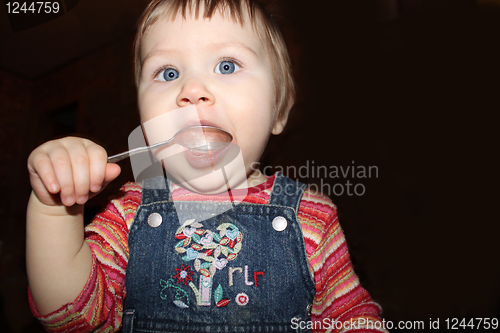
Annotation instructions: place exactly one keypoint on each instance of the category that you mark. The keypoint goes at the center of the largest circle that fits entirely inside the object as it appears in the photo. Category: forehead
(192, 32)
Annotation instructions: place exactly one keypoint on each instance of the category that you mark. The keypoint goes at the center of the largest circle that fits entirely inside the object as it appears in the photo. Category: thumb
(112, 171)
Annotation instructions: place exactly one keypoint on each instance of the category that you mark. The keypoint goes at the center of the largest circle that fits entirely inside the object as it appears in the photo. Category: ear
(279, 124)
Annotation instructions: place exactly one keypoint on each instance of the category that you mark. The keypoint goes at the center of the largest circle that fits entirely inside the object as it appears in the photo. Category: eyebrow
(214, 46)
(156, 52)
(235, 44)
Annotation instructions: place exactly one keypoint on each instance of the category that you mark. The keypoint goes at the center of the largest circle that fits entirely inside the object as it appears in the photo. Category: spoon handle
(124, 155)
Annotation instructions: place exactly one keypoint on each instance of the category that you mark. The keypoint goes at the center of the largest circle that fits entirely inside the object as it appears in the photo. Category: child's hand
(69, 170)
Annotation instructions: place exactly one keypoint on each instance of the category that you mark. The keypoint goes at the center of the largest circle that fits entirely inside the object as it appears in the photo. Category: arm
(339, 299)
(99, 306)
(62, 174)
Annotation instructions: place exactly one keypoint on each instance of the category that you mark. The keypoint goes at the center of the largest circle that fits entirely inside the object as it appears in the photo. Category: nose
(194, 92)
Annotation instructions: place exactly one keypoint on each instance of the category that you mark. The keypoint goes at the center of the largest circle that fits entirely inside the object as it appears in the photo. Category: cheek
(151, 103)
(142, 112)
(257, 99)
(267, 97)
(142, 103)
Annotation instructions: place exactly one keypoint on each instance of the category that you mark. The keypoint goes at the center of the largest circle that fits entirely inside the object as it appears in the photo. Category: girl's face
(221, 68)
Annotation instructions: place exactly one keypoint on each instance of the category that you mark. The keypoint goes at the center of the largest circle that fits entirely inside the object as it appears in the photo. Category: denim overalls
(244, 270)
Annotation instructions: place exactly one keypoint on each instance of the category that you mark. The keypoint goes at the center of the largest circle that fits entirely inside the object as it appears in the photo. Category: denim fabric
(230, 273)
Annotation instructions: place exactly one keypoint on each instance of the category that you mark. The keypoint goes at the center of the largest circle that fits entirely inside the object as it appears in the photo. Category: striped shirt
(340, 303)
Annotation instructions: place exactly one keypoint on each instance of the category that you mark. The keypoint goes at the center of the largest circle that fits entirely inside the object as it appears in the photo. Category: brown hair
(263, 22)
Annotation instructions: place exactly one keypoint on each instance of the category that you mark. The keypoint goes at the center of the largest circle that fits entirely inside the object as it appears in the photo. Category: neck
(256, 178)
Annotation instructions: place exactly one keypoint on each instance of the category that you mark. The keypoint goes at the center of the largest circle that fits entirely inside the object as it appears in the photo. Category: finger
(42, 174)
(80, 167)
(61, 164)
(98, 160)
(112, 171)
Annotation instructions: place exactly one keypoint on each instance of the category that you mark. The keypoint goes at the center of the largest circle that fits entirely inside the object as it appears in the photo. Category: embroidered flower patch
(183, 274)
(181, 296)
(210, 252)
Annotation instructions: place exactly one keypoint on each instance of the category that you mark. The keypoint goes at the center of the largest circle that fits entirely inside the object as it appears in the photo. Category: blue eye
(226, 67)
(169, 74)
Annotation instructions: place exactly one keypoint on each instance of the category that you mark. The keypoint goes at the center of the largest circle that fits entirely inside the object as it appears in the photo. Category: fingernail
(82, 199)
(53, 187)
(70, 200)
(96, 188)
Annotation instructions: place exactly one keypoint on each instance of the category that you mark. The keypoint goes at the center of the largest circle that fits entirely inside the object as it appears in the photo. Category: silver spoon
(202, 138)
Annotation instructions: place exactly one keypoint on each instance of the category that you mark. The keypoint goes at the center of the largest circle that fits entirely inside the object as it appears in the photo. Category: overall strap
(286, 192)
(155, 190)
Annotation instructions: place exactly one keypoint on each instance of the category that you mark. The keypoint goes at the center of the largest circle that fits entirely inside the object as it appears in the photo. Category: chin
(227, 172)
(212, 183)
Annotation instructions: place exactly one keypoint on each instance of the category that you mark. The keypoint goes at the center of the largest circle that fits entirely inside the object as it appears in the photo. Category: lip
(202, 122)
(202, 159)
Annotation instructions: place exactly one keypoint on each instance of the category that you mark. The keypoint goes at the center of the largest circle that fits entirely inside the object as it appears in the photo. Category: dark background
(409, 86)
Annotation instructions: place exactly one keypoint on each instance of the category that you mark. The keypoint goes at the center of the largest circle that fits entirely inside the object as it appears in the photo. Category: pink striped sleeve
(99, 306)
(339, 296)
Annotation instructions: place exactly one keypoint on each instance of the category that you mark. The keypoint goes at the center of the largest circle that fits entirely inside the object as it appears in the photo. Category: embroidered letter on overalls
(255, 274)
(248, 283)
(231, 271)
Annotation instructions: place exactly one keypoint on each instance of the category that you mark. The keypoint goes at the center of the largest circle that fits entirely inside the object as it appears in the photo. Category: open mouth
(214, 147)
(215, 157)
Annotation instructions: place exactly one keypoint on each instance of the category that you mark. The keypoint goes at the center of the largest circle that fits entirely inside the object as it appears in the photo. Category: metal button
(279, 223)
(309, 309)
(154, 220)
